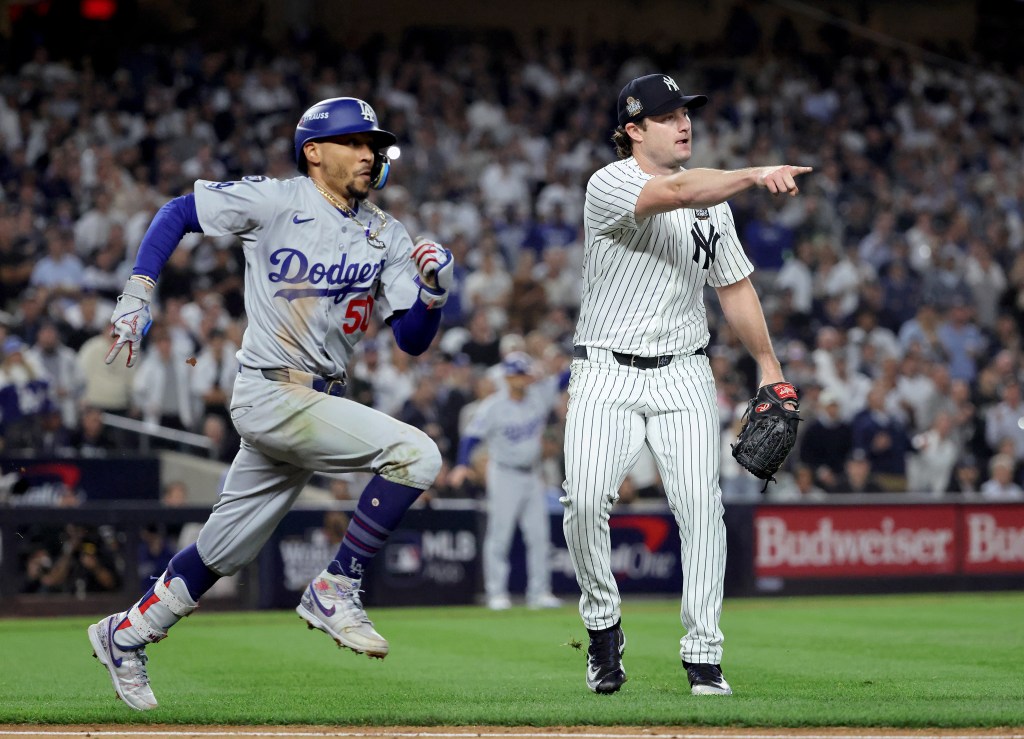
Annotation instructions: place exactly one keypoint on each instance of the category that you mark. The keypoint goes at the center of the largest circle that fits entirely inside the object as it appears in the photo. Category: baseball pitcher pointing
(319, 259)
(656, 234)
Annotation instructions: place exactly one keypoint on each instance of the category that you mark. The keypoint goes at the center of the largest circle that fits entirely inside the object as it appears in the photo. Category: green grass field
(908, 661)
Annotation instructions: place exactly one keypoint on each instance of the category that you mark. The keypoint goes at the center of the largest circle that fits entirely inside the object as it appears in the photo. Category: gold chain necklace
(371, 237)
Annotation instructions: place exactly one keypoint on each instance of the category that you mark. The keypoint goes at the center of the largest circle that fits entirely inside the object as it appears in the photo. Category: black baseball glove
(769, 430)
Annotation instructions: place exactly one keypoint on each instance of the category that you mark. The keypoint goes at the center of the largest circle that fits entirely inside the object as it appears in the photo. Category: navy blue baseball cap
(653, 94)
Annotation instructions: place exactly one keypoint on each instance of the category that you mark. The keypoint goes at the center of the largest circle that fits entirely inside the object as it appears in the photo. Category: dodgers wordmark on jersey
(513, 428)
(314, 251)
(643, 282)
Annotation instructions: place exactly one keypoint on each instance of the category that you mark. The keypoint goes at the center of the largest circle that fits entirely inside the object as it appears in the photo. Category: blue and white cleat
(331, 603)
(127, 668)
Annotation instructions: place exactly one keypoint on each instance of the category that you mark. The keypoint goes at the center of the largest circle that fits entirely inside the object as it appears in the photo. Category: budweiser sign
(993, 539)
(854, 542)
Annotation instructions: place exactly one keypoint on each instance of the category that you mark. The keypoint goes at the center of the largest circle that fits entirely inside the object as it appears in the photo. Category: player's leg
(535, 523)
(258, 491)
(503, 497)
(603, 435)
(685, 439)
(331, 434)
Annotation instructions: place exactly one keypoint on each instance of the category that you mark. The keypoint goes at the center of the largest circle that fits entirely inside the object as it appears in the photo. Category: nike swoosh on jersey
(296, 220)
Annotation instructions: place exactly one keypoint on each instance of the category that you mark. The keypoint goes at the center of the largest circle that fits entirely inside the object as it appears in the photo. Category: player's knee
(418, 459)
(430, 460)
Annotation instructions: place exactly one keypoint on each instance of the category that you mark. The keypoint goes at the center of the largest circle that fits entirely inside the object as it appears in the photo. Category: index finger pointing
(801, 170)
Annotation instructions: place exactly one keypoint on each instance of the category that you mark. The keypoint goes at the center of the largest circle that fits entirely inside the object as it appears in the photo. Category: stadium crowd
(893, 287)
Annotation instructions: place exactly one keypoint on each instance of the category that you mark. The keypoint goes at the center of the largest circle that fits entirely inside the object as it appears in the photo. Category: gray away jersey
(644, 280)
(513, 429)
(312, 279)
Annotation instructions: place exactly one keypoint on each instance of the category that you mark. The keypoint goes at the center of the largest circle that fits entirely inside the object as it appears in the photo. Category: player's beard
(355, 193)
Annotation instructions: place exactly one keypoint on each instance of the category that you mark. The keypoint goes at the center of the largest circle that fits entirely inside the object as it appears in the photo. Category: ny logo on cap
(670, 83)
(368, 114)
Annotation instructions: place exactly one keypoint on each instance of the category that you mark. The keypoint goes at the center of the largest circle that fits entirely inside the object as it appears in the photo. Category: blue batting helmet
(336, 117)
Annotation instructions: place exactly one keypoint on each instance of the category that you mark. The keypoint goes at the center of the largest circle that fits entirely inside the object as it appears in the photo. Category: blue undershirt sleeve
(174, 220)
(466, 446)
(415, 328)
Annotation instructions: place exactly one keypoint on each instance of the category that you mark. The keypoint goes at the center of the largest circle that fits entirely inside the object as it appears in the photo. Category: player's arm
(416, 328)
(742, 309)
(131, 317)
(704, 188)
(462, 469)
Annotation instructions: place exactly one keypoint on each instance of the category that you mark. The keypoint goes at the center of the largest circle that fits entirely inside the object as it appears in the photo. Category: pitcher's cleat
(331, 603)
(127, 668)
(605, 673)
(706, 679)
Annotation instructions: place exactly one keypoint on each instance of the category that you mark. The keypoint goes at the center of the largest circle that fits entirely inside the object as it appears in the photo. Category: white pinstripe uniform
(643, 296)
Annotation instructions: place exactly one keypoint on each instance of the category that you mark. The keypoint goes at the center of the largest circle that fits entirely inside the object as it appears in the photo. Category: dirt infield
(112, 731)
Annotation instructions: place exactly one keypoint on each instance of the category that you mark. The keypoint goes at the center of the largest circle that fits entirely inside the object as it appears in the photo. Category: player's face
(666, 141)
(519, 382)
(345, 164)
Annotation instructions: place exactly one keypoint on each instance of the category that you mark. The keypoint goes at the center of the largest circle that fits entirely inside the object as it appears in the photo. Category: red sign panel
(856, 541)
(993, 539)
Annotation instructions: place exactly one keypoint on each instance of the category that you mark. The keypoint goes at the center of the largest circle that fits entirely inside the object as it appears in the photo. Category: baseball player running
(512, 423)
(319, 258)
(656, 234)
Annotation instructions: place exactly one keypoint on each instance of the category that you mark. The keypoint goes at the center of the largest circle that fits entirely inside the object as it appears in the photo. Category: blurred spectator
(60, 367)
(86, 318)
(800, 486)
(962, 341)
(883, 439)
(24, 396)
(966, 479)
(155, 551)
(826, 441)
(921, 333)
(857, 476)
(483, 345)
(212, 378)
(987, 281)
(1005, 420)
(160, 387)
(915, 391)
(91, 438)
(223, 440)
(61, 273)
(1000, 485)
(487, 290)
(84, 564)
(930, 467)
(174, 494)
(108, 387)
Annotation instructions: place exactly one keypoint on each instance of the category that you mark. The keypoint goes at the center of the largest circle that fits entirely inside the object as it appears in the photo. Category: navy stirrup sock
(380, 508)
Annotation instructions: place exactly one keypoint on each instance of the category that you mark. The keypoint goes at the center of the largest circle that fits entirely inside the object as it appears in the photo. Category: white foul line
(477, 734)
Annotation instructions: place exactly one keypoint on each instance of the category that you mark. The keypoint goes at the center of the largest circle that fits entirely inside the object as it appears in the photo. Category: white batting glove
(436, 270)
(131, 318)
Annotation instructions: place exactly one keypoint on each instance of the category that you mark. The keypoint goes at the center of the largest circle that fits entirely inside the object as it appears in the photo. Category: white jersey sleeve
(731, 264)
(398, 290)
(612, 194)
(237, 207)
(480, 424)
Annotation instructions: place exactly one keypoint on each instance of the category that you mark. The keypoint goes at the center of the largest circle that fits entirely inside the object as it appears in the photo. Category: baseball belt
(326, 385)
(524, 468)
(632, 360)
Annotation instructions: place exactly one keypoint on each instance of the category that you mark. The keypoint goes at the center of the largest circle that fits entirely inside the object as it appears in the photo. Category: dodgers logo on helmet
(336, 117)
